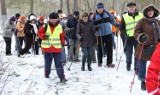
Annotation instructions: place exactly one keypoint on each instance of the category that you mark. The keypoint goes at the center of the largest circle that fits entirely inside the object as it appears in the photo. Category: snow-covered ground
(25, 76)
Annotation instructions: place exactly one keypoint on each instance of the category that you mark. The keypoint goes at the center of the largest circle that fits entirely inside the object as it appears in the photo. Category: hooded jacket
(145, 26)
(8, 29)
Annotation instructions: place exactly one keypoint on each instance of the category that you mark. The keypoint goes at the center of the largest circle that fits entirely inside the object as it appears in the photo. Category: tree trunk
(31, 6)
(75, 5)
(61, 4)
(3, 13)
(68, 8)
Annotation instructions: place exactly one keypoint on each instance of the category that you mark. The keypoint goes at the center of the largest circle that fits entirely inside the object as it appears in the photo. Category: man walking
(128, 23)
(52, 36)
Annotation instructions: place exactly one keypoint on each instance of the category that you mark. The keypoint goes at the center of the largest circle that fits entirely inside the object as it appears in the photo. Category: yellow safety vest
(131, 23)
(54, 39)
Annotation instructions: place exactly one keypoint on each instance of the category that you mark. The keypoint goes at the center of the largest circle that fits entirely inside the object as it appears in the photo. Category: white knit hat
(32, 17)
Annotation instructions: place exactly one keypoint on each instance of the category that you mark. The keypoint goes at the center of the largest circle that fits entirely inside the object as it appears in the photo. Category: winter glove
(81, 39)
(13, 29)
(126, 37)
(117, 25)
(142, 38)
(97, 28)
(46, 37)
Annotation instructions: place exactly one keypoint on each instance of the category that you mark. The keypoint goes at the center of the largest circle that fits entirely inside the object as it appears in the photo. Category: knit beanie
(41, 18)
(53, 16)
(12, 18)
(100, 5)
(17, 15)
(32, 17)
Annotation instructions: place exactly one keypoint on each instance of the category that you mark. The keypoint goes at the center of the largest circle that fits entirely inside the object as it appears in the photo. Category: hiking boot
(77, 60)
(63, 80)
(82, 68)
(128, 67)
(111, 65)
(94, 61)
(143, 86)
(8, 54)
(89, 68)
(99, 64)
(46, 76)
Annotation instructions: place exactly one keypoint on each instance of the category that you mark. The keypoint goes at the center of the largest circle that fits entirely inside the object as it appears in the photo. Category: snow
(25, 76)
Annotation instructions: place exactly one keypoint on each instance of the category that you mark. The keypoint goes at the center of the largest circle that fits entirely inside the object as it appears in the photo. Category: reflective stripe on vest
(131, 23)
(54, 39)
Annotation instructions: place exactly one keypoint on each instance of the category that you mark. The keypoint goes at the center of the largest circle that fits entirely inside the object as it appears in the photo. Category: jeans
(86, 55)
(141, 69)
(8, 45)
(128, 53)
(63, 55)
(19, 43)
(48, 57)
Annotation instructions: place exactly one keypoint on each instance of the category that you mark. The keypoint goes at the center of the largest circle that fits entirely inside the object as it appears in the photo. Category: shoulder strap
(45, 26)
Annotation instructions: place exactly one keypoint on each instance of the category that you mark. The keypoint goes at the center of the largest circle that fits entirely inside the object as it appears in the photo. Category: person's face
(41, 21)
(33, 21)
(150, 13)
(100, 10)
(85, 19)
(131, 9)
(53, 21)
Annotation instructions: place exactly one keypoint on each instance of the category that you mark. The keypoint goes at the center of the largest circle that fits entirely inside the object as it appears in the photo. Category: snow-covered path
(25, 76)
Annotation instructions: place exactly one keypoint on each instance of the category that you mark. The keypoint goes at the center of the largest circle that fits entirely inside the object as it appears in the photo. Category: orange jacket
(113, 27)
(20, 28)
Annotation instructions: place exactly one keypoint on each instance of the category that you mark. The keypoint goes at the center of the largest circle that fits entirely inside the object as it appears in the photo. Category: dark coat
(145, 26)
(86, 32)
(29, 33)
(72, 24)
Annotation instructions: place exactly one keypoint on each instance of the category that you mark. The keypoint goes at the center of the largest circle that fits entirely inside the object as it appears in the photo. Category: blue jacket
(103, 22)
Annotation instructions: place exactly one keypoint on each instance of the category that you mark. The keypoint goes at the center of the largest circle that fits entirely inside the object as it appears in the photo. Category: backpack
(45, 27)
(94, 15)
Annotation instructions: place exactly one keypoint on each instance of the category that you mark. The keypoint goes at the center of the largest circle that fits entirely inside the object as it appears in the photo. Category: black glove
(81, 39)
(126, 37)
(142, 38)
(117, 25)
(46, 37)
(97, 28)
(13, 29)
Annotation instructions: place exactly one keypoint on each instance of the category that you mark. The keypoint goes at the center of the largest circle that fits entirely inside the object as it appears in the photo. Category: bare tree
(61, 4)
(31, 6)
(75, 5)
(3, 12)
(68, 8)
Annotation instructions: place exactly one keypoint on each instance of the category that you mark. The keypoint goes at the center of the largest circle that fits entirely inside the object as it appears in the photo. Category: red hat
(41, 18)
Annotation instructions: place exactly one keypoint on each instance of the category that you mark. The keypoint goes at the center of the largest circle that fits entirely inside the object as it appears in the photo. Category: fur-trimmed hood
(147, 8)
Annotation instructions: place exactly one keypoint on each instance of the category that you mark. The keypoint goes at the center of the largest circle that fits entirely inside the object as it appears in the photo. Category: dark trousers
(87, 51)
(26, 49)
(8, 45)
(48, 57)
(36, 48)
(107, 41)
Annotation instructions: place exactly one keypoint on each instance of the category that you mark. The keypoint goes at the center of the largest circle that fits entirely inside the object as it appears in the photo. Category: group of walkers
(140, 34)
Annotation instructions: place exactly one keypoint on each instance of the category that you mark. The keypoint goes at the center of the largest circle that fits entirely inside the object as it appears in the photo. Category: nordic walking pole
(69, 68)
(117, 42)
(122, 54)
(136, 67)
